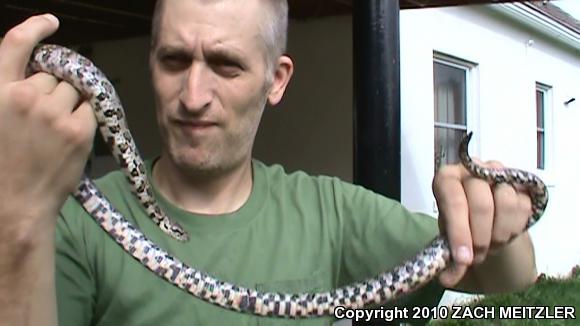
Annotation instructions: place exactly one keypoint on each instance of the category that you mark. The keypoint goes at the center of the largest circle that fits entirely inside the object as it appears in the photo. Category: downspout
(377, 104)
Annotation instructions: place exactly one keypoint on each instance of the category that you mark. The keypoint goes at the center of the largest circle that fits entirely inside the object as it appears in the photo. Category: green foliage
(547, 292)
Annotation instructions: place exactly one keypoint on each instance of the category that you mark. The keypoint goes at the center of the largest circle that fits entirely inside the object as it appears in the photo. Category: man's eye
(227, 68)
(174, 62)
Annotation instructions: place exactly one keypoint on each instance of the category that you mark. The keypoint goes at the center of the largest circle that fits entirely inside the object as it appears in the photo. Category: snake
(65, 64)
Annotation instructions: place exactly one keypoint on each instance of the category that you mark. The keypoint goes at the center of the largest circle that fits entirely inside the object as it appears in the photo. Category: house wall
(312, 128)
(503, 113)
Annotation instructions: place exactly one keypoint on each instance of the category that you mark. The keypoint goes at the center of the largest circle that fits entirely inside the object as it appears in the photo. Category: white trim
(472, 90)
(452, 61)
(472, 108)
(540, 22)
(450, 126)
(548, 106)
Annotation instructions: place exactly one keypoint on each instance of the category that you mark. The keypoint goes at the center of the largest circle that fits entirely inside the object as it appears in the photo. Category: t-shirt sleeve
(75, 286)
(378, 234)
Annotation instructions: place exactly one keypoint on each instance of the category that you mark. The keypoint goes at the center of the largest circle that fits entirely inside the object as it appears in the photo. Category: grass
(547, 292)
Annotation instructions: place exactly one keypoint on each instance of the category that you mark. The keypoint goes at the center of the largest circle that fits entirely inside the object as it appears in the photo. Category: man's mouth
(196, 125)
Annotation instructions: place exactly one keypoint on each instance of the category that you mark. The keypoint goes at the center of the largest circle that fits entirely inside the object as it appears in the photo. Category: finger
(452, 203)
(85, 116)
(494, 165)
(521, 190)
(82, 125)
(525, 203)
(481, 213)
(43, 82)
(65, 97)
(18, 43)
(490, 165)
(450, 276)
(510, 219)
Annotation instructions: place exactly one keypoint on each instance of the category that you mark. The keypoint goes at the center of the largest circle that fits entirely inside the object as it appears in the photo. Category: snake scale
(91, 82)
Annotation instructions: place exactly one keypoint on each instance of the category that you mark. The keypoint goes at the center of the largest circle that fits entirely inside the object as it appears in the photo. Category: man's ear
(282, 76)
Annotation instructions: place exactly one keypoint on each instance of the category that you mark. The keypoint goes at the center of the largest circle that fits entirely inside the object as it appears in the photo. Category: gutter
(537, 21)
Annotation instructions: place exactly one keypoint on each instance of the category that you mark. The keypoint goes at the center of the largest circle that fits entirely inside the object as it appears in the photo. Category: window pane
(540, 108)
(446, 146)
(540, 150)
(450, 103)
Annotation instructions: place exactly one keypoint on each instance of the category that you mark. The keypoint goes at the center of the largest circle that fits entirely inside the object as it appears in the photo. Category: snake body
(411, 274)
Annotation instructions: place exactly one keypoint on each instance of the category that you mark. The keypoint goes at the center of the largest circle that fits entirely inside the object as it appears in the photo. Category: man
(214, 65)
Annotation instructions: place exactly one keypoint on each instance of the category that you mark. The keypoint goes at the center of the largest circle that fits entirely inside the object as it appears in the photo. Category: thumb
(18, 43)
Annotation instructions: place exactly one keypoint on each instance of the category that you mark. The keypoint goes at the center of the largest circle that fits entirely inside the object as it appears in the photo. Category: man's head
(273, 28)
(215, 64)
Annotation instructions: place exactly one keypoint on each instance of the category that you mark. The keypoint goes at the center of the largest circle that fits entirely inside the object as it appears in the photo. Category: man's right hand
(45, 139)
(45, 135)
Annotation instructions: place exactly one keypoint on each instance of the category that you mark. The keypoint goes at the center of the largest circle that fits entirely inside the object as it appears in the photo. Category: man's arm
(44, 149)
(27, 289)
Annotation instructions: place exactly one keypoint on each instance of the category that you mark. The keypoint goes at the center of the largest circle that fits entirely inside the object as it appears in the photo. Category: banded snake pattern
(67, 65)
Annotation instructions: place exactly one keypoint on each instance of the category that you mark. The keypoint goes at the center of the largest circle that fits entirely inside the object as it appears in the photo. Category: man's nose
(197, 90)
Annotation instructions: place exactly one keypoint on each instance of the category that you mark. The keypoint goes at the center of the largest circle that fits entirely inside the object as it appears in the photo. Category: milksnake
(411, 274)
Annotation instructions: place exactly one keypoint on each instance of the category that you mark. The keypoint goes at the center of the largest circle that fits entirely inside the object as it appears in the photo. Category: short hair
(274, 29)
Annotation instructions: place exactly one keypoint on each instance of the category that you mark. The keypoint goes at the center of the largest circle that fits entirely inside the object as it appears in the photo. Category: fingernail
(52, 18)
(463, 255)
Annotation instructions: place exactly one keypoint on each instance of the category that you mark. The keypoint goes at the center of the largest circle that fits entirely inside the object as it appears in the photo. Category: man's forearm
(511, 268)
(27, 287)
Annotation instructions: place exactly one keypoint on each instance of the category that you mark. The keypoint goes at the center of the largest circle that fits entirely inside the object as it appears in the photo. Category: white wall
(312, 128)
(504, 115)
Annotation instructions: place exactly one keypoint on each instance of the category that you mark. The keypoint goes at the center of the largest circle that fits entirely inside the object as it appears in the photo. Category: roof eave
(542, 23)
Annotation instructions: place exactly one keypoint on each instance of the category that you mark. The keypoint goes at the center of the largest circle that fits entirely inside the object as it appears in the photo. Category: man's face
(209, 76)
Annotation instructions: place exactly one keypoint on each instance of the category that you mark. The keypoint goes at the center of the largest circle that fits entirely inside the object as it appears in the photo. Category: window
(542, 106)
(450, 80)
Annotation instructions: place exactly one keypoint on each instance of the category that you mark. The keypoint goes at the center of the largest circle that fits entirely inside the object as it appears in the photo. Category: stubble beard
(212, 158)
(203, 160)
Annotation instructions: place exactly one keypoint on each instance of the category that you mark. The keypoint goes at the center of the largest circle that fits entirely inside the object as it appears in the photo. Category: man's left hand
(477, 217)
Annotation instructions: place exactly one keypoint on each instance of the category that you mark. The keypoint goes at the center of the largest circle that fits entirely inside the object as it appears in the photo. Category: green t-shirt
(296, 233)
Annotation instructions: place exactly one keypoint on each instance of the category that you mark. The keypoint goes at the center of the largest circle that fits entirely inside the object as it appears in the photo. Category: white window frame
(471, 102)
(548, 109)
(471, 95)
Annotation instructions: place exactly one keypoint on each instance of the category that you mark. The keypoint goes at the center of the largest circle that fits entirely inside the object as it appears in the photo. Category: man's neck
(223, 194)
